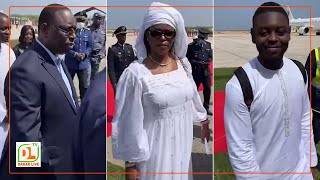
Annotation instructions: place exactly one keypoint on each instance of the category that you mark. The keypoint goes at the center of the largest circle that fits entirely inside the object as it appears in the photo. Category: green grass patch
(114, 168)
(221, 77)
(14, 42)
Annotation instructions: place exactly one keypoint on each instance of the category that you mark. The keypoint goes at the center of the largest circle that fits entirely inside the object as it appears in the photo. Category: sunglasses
(158, 34)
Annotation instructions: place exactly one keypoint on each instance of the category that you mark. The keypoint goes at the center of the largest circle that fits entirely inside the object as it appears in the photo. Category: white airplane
(302, 25)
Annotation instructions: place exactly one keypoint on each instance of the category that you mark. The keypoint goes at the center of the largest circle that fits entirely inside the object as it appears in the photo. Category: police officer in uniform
(314, 62)
(120, 55)
(77, 59)
(99, 40)
(200, 55)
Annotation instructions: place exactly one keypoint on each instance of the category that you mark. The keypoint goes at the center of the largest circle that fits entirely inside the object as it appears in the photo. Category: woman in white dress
(157, 102)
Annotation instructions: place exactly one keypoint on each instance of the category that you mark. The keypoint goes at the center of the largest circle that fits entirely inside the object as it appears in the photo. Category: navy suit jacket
(41, 109)
(90, 148)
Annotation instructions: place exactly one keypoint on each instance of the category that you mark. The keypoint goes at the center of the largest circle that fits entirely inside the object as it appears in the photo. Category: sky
(4, 5)
(240, 19)
(133, 17)
(223, 18)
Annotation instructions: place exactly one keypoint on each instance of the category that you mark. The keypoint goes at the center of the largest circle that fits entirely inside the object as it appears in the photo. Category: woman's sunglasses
(158, 34)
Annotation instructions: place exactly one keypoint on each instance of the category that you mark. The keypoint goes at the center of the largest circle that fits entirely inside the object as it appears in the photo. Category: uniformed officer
(120, 55)
(200, 55)
(77, 59)
(314, 62)
(99, 41)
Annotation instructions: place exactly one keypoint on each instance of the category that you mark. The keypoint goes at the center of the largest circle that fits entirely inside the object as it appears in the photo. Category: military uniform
(119, 57)
(200, 55)
(315, 90)
(98, 49)
(82, 44)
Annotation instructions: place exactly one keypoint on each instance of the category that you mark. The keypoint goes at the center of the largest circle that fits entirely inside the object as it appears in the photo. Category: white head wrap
(165, 14)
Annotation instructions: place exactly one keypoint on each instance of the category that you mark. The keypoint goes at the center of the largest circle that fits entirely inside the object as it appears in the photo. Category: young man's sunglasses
(158, 34)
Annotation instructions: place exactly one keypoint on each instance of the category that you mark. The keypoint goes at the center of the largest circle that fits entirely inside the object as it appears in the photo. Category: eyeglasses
(65, 31)
(158, 34)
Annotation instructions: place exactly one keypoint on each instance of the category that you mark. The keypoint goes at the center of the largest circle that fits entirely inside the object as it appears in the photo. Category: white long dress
(153, 123)
(275, 136)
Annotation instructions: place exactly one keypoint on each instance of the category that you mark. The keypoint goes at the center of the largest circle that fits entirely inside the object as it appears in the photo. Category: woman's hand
(314, 172)
(132, 176)
(205, 132)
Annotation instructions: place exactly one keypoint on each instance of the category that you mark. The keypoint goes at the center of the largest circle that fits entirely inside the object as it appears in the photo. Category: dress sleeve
(129, 138)
(200, 111)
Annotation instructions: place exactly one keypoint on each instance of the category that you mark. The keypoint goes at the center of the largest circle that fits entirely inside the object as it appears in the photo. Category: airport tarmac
(233, 49)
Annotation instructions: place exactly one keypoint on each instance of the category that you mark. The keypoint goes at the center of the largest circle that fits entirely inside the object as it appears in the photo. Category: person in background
(313, 62)
(120, 56)
(200, 56)
(99, 42)
(26, 38)
(77, 59)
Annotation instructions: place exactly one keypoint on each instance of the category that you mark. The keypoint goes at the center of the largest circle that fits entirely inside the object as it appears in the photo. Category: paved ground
(235, 49)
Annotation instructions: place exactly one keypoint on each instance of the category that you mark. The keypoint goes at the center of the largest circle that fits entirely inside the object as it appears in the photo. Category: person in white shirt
(273, 135)
(5, 53)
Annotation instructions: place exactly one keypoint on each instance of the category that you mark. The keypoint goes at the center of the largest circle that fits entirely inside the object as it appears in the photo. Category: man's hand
(79, 56)
(132, 176)
(83, 56)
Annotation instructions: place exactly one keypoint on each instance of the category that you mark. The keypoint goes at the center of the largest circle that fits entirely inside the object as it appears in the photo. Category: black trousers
(95, 62)
(84, 79)
(316, 126)
(201, 74)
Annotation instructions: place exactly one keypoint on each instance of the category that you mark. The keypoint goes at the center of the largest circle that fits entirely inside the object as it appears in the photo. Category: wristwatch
(129, 164)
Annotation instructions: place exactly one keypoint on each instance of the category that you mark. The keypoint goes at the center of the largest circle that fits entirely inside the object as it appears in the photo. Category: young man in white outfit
(273, 134)
(4, 68)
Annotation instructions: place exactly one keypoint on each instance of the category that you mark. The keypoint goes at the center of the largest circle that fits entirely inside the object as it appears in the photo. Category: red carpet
(220, 144)
(219, 133)
(110, 107)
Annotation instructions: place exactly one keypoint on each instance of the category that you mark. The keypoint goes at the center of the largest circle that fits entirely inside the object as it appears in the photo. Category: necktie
(64, 77)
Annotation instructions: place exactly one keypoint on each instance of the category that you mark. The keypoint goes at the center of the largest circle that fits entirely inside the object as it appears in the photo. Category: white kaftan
(153, 123)
(275, 135)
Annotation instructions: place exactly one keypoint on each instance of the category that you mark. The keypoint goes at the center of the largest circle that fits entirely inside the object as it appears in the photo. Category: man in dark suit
(42, 105)
(90, 149)
(200, 56)
(120, 55)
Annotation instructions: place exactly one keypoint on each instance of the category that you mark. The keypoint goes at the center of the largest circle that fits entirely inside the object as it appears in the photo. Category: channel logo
(28, 154)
